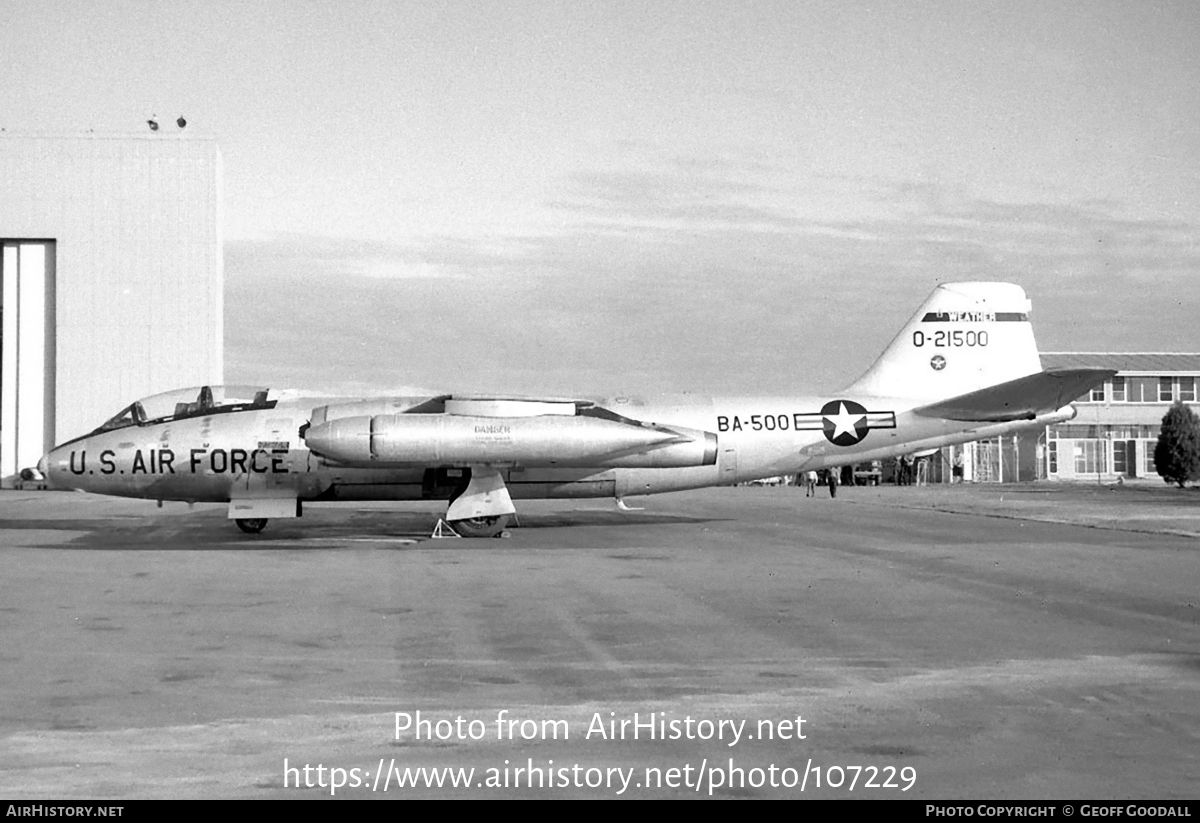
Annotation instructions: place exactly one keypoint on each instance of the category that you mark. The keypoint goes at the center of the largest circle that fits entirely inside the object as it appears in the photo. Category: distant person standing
(810, 483)
(833, 481)
(958, 467)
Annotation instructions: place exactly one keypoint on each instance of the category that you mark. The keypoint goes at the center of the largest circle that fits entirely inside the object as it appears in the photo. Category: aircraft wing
(1021, 399)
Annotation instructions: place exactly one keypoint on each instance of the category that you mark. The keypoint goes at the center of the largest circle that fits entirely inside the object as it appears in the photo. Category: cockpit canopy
(194, 402)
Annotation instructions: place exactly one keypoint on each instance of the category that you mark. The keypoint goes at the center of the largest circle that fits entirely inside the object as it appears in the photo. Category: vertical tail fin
(966, 336)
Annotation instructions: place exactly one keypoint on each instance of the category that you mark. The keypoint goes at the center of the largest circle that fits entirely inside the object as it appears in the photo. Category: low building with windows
(1112, 436)
(1117, 427)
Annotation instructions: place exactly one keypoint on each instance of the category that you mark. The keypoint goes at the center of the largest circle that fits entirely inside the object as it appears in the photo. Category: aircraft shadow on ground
(317, 531)
(594, 517)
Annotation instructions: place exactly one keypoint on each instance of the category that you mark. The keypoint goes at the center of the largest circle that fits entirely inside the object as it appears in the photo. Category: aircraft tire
(251, 525)
(480, 526)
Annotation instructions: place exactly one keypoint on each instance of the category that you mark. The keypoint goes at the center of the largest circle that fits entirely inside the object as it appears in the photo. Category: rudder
(965, 337)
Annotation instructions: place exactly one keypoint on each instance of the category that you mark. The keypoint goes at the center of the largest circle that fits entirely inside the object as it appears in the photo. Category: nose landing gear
(251, 525)
(480, 526)
(483, 507)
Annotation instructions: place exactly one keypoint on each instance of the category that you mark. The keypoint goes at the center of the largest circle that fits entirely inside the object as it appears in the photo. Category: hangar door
(26, 354)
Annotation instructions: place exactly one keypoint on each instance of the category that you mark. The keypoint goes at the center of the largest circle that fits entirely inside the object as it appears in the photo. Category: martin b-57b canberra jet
(965, 367)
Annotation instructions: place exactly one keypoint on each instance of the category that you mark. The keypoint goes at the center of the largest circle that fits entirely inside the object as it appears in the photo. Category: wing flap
(1021, 399)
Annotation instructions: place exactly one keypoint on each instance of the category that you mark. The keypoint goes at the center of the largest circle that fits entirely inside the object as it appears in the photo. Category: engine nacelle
(547, 440)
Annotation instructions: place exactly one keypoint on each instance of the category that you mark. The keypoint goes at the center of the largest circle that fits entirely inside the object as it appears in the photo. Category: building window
(1120, 463)
(1053, 456)
(1150, 469)
(1090, 457)
(1142, 390)
(1118, 385)
(1098, 394)
(1069, 432)
(1165, 393)
(1187, 389)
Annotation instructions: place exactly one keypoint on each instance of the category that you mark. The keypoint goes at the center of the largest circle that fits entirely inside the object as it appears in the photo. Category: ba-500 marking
(265, 452)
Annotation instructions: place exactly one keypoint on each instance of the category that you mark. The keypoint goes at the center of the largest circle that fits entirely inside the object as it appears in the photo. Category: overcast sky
(593, 197)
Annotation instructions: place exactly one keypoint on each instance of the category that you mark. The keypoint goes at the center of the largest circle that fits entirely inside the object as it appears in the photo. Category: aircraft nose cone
(42, 476)
(53, 467)
(45, 467)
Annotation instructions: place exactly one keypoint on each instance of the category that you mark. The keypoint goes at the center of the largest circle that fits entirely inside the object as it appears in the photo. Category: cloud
(679, 193)
(675, 276)
(333, 257)
(393, 269)
(1084, 242)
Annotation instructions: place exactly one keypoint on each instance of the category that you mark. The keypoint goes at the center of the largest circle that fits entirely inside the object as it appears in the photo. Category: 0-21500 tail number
(950, 339)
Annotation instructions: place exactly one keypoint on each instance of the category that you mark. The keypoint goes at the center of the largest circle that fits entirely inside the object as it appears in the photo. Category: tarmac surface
(1034, 641)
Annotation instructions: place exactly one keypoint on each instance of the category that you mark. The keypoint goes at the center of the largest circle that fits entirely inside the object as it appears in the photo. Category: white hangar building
(111, 280)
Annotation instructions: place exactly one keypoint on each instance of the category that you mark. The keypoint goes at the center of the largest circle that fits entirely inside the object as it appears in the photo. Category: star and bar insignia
(845, 422)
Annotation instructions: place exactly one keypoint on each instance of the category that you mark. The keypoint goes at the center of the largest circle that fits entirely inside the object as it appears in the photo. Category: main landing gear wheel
(252, 525)
(480, 526)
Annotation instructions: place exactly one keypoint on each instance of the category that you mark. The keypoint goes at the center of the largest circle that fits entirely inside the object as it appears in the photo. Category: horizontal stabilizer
(1021, 399)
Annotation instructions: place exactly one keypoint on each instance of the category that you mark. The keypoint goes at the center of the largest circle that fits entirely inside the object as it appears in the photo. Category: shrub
(1177, 454)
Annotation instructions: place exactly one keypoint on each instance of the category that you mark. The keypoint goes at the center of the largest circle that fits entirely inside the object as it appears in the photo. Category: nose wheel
(480, 526)
(483, 507)
(252, 525)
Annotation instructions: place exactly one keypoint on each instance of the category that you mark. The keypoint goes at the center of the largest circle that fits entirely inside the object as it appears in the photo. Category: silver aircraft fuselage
(257, 453)
(965, 367)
